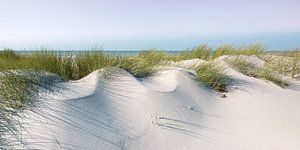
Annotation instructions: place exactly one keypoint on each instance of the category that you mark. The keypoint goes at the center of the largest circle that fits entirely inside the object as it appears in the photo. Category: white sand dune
(110, 109)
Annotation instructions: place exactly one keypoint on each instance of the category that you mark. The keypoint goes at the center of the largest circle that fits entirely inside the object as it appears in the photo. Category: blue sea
(69, 53)
(169, 44)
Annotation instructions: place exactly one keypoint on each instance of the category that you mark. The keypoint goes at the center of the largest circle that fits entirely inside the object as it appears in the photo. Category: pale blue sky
(126, 24)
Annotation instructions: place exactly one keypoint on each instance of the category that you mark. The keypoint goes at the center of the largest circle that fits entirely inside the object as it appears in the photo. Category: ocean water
(70, 53)
(271, 41)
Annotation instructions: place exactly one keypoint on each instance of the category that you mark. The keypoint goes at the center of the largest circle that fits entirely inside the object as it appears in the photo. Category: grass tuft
(269, 75)
(243, 66)
(18, 91)
(254, 49)
(264, 72)
(19, 88)
(8, 54)
(144, 64)
(201, 52)
(212, 75)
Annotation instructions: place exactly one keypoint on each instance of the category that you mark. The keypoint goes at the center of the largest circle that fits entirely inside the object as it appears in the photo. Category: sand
(111, 109)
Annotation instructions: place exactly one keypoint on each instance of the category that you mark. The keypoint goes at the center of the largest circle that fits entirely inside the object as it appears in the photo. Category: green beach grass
(213, 76)
(21, 76)
(254, 49)
(265, 72)
(143, 64)
(18, 92)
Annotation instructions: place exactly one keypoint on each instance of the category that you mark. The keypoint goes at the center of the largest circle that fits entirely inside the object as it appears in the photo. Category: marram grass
(213, 76)
(141, 65)
(201, 52)
(269, 75)
(21, 76)
(254, 49)
(73, 67)
(264, 72)
(18, 91)
(286, 63)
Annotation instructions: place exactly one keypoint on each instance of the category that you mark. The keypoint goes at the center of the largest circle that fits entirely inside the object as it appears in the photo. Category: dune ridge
(111, 109)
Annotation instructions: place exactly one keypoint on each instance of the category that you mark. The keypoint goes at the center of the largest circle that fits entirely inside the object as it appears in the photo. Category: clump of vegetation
(85, 63)
(18, 88)
(42, 61)
(286, 63)
(80, 65)
(18, 91)
(201, 52)
(144, 64)
(243, 50)
(253, 70)
(8, 54)
(15, 89)
(295, 65)
(292, 67)
(213, 76)
(243, 66)
(269, 75)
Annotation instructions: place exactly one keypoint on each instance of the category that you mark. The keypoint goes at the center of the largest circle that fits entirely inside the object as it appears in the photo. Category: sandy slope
(110, 109)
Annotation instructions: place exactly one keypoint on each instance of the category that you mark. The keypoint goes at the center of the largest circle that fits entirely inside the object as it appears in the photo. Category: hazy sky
(80, 23)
